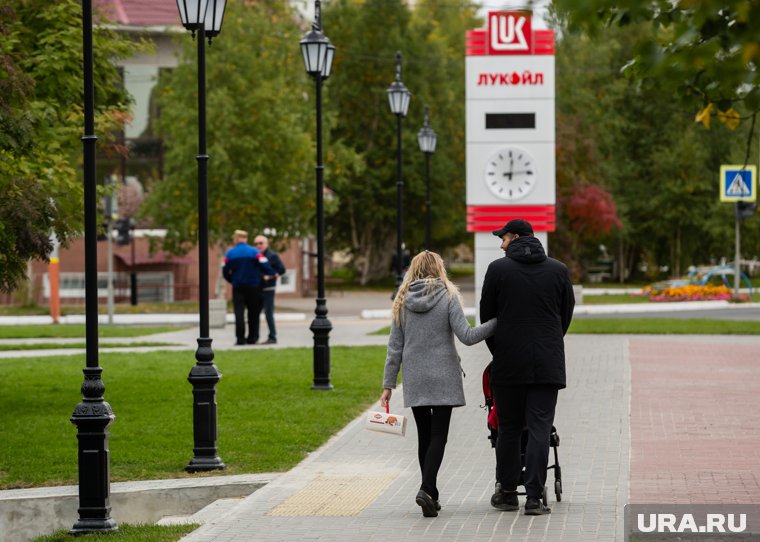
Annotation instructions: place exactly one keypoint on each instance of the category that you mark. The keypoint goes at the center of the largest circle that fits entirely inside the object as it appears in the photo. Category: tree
(260, 121)
(41, 121)
(707, 50)
(431, 39)
(645, 150)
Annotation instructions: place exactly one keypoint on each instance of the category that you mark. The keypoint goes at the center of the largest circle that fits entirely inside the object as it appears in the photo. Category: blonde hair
(427, 266)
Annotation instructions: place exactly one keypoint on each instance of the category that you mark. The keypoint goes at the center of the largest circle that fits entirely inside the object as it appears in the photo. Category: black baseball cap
(518, 226)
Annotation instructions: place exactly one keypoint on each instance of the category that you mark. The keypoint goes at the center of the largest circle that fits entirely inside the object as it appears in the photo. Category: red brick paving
(695, 422)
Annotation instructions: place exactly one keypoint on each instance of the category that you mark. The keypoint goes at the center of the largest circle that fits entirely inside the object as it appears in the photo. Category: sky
(539, 7)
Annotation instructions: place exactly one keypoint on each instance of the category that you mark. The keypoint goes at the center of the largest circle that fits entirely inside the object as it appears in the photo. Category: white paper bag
(386, 422)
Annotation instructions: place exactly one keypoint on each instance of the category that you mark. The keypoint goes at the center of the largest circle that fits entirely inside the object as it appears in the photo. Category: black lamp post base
(322, 387)
(321, 328)
(202, 464)
(92, 417)
(204, 376)
(87, 526)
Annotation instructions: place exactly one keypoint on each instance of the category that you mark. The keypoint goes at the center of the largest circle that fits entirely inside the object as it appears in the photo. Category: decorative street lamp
(318, 54)
(427, 139)
(205, 18)
(93, 415)
(398, 97)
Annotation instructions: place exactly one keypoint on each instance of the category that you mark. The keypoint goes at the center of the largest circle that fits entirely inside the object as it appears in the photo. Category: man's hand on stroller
(385, 397)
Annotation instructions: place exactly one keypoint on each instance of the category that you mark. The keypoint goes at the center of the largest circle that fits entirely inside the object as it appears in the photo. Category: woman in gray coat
(427, 313)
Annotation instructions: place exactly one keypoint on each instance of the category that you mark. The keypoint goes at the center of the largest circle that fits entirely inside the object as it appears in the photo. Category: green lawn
(613, 299)
(269, 418)
(68, 331)
(59, 346)
(125, 533)
(653, 326)
(184, 307)
(664, 326)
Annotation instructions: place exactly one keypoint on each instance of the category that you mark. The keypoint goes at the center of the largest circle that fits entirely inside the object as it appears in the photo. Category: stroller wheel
(558, 489)
(546, 503)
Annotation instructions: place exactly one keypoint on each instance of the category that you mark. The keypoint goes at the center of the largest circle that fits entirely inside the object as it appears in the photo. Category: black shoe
(240, 343)
(251, 341)
(271, 341)
(535, 507)
(427, 504)
(505, 500)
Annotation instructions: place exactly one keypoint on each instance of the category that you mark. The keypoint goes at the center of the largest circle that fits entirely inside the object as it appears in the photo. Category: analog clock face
(510, 173)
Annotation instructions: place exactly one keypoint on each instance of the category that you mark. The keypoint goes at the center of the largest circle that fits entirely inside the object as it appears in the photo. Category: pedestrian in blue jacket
(245, 268)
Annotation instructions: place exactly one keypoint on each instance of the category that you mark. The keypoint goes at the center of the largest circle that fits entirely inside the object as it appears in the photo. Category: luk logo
(510, 32)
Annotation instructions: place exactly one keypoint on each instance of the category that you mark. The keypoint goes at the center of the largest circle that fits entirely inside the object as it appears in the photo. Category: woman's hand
(385, 397)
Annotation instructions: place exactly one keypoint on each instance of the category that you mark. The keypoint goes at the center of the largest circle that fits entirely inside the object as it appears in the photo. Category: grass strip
(652, 326)
(61, 346)
(69, 331)
(614, 299)
(126, 533)
(177, 307)
(664, 326)
(269, 418)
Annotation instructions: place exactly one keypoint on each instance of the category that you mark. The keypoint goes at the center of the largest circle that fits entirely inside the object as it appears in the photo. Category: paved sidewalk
(361, 485)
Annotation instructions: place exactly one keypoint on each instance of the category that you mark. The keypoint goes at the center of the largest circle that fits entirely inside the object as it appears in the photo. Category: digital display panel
(508, 121)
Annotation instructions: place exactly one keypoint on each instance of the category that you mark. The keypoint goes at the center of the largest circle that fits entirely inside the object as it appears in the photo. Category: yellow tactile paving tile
(333, 496)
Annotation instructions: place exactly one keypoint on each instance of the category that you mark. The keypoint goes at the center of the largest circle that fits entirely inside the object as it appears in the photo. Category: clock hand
(528, 171)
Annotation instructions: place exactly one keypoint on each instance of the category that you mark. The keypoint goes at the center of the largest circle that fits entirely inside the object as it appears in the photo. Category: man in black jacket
(532, 298)
(268, 287)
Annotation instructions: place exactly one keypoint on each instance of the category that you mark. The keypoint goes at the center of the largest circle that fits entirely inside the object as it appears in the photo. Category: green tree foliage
(646, 150)
(706, 51)
(431, 39)
(41, 122)
(260, 121)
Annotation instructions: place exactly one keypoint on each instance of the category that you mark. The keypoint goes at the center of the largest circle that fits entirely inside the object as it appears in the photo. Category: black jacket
(276, 263)
(531, 296)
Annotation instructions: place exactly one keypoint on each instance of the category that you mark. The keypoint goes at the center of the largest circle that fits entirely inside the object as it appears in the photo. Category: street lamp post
(398, 97)
(427, 139)
(93, 415)
(318, 54)
(205, 18)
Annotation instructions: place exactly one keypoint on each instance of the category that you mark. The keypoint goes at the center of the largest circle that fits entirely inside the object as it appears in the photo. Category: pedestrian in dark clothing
(268, 288)
(244, 267)
(427, 313)
(532, 298)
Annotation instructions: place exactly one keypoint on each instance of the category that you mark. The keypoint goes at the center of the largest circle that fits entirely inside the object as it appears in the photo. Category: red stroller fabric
(492, 421)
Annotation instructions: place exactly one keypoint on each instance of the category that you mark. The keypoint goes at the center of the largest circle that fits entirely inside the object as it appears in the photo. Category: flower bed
(690, 292)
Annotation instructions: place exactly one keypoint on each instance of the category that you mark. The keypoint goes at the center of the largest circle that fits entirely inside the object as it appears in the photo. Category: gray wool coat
(424, 343)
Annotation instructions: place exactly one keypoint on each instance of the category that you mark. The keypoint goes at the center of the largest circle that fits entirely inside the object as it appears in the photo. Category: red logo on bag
(378, 415)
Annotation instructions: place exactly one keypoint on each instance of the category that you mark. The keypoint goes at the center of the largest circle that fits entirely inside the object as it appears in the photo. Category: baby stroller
(492, 422)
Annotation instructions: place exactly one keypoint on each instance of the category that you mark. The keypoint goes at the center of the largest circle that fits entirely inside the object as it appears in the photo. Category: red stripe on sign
(476, 42)
(547, 227)
(511, 209)
(530, 217)
(543, 42)
(482, 218)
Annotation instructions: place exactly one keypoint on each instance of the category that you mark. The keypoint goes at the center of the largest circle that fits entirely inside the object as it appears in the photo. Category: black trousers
(518, 407)
(432, 434)
(246, 297)
(267, 303)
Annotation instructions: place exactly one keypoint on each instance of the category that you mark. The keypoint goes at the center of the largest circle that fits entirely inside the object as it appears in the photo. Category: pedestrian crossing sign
(738, 183)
